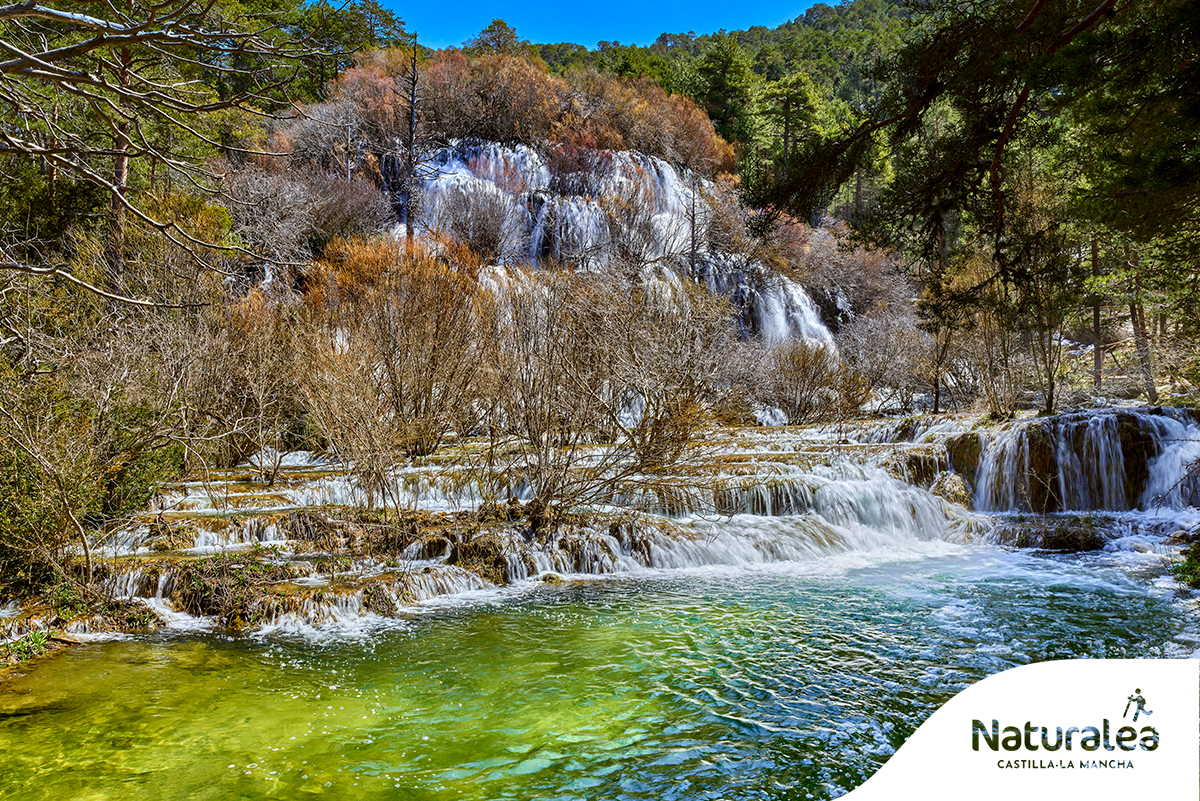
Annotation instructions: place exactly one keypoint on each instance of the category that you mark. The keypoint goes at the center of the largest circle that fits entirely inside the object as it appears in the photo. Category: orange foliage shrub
(496, 97)
(511, 99)
(350, 270)
(578, 163)
(393, 352)
(622, 113)
(375, 96)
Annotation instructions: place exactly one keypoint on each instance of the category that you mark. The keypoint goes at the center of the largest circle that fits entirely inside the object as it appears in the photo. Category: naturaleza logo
(1104, 737)
(1100, 729)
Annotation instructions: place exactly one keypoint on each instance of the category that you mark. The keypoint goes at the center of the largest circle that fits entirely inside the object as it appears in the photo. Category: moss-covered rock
(311, 527)
(1069, 534)
(964, 452)
(483, 555)
(377, 600)
(953, 487)
(1041, 485)
(224, 586)
(1188, 570)
(920, 466)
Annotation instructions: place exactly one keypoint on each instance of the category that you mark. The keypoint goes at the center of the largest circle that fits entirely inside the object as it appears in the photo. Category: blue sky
(441, 24)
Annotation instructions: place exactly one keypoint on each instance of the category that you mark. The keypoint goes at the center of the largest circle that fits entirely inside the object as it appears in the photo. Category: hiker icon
(1141, 705)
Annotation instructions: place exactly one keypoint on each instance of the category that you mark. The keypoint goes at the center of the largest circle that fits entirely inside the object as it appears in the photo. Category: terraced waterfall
(774, 632)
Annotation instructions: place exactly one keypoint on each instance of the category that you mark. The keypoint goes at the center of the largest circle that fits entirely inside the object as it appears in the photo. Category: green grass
(1188, 571)
(22, 649)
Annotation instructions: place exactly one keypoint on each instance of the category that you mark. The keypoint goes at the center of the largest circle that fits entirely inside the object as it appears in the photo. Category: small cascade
(803, 516)
(380, 596)
(1101, 460)
(843, 493)
(783, 311)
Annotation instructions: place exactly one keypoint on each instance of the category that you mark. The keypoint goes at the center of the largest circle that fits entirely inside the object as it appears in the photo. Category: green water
(764, 684)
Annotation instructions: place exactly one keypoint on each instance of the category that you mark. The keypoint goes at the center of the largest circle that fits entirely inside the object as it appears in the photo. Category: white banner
(1100, 728)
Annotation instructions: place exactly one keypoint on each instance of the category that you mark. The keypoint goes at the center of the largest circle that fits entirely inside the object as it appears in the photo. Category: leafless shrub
(725, 224)
(842, 278)
(342, 394)
(483, 218)
(810, 384)
(291, 216)
(597, 380)
(343, 208)
(394, 371)
(422, 327)
(886, 349)
(498, 98)
(317, 136)
(666, 343)
(638, 235)
(272, 213)
(539, 421)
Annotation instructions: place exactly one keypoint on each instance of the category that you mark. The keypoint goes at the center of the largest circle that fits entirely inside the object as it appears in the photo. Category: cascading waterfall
(1105, 460)
(785, 510)
(804, 515)
(637, 204)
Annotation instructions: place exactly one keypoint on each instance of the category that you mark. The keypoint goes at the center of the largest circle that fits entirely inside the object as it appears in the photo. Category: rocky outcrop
(964, 451)
(1079, 461)
(1069, 534)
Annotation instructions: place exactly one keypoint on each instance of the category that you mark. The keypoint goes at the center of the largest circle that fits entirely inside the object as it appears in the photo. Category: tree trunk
(692, 237)
(787, 135)
(1097, 351)
(410, 167)
(1137, 318)
(1049, 408)
(115, 246)
(858, 193)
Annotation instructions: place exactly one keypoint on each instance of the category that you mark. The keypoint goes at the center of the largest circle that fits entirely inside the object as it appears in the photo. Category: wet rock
(633, 539)
(923, 465)
(377, 600)
(310, 527)
(1065, 534)
(1041, 486)
(587, 554)
(434, 547)
(953, 487)
(1138, 447)
(483, 555)
(964, 452)
(1183, 537)
(165, 535)
(1136, 546)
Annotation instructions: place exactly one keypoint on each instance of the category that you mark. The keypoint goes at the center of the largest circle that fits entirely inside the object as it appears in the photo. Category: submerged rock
(1070, 534)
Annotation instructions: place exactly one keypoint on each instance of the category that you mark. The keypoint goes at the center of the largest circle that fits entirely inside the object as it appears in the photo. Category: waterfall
(507, 202)
(1096, 460)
